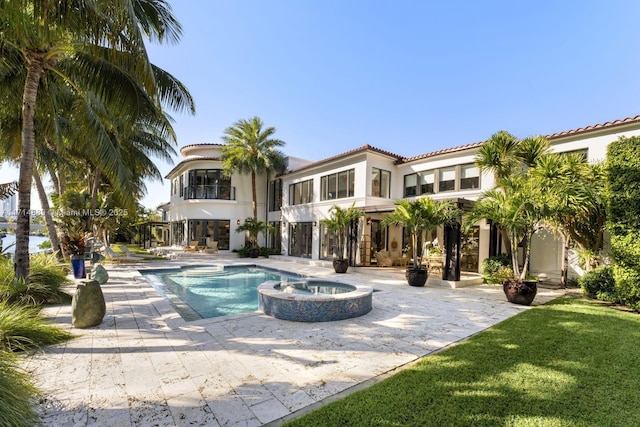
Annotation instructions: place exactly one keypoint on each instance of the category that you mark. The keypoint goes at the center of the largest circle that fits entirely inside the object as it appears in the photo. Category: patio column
(451, 270)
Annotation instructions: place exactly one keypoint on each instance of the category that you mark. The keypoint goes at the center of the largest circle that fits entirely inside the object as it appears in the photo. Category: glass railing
(218, 192)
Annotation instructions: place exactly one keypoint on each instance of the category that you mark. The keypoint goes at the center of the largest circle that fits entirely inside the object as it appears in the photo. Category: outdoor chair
(125, 250)
(116, 257)
(192, 247)
(211, 247)
(383, 259)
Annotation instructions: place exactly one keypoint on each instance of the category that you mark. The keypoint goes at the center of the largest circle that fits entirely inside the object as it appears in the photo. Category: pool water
(205, 292)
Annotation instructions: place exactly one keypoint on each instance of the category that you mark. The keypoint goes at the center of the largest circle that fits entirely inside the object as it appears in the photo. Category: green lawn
(567, 363)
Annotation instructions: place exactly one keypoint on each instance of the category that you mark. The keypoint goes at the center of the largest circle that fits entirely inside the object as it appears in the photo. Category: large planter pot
(520, 292)
(340, 265)
(416, 276)
(77, 265)
(254, 252)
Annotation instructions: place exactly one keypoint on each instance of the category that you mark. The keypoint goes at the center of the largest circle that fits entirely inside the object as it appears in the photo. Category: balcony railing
(218, 192)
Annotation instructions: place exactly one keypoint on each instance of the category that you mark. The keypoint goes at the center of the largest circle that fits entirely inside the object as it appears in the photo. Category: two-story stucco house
(204, 203)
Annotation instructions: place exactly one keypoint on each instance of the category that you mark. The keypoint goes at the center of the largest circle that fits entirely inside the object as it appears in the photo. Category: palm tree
(575, 201)
(250, 149)
(505, 156)
(253, 228)
(339, 223)
(85, 44)
(520, 206)
(419, 216)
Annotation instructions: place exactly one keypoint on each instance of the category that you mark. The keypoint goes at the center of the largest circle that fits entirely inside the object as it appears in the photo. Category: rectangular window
(410, 184)
(209, 184)
(300, 239)
(337, 185)
(181, 185)
(274, 238)
(584, 153)
(380, 183)
(427, 180)
(469, 177)
(275, 195)
(212, 230)
(301, 192)
(447, 180)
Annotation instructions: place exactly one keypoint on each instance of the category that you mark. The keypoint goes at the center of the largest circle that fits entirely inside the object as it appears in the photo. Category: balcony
(216, 192)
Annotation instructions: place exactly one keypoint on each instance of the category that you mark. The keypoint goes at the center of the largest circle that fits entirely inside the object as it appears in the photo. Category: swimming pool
(205, 292)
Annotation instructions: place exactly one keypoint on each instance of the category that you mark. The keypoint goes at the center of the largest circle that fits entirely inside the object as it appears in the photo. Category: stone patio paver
(146, 366)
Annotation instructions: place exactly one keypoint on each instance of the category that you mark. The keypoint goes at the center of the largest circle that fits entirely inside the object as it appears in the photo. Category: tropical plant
(251, 149)
(419, 216)
(576, 203)
(253, 228)
(74, 242)
(24, 328)
(18, 394)
(95, 48)
(339, 221)
(493, 268)
(599, 284)
(8, 189)
(506, 156)
(46, 285)
(623, 217)
(519, 206)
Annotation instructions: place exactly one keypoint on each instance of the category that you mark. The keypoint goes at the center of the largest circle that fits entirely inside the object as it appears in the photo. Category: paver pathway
(145, 366)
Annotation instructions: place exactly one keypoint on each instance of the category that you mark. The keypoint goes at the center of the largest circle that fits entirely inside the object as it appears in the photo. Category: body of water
(34, 241)
(211, 292)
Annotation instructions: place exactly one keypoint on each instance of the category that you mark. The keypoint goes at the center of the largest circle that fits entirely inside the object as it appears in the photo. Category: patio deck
(144, 365)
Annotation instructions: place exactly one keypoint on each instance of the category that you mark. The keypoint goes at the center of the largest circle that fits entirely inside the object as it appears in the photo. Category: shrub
(243, 252)
(16, 394)
(599, 284)
(623, 212)
(492, 266)
(46, 280)
(24, 328)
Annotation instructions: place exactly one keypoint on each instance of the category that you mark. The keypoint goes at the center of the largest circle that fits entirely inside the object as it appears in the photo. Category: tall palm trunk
(564, 270)
(35, 68)
(48, 218)
(56, 182)
(255, 196)
(94, 197)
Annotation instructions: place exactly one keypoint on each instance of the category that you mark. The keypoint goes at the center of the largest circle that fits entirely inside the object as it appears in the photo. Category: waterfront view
(34, 241)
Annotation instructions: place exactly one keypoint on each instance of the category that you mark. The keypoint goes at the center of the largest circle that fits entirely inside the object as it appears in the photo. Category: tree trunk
(526, 251)
(514, 258)
(55, 181)
(48, 218)
(94, 197)
(35, 68)
(564, 270)
(255, 196)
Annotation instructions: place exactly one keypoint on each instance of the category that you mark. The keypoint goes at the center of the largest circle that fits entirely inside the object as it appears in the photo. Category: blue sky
(409, 77)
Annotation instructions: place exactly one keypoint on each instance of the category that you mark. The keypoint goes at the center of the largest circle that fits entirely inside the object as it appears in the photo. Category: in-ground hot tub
(313, 300)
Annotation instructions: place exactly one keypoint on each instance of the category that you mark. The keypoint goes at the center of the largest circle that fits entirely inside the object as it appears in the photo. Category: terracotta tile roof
(190, 159)
(438, 152)
(361, 149)
(201, 144)
(598, 126)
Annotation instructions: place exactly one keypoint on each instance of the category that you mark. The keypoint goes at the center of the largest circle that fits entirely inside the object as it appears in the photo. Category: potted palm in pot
(339, 223)
(253, 227)
(74, 244)
(519, 206)
(419, 216)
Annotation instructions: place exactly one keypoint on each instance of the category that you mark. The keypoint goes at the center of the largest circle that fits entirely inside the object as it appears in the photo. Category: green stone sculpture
(87, 306)
(100, 274)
